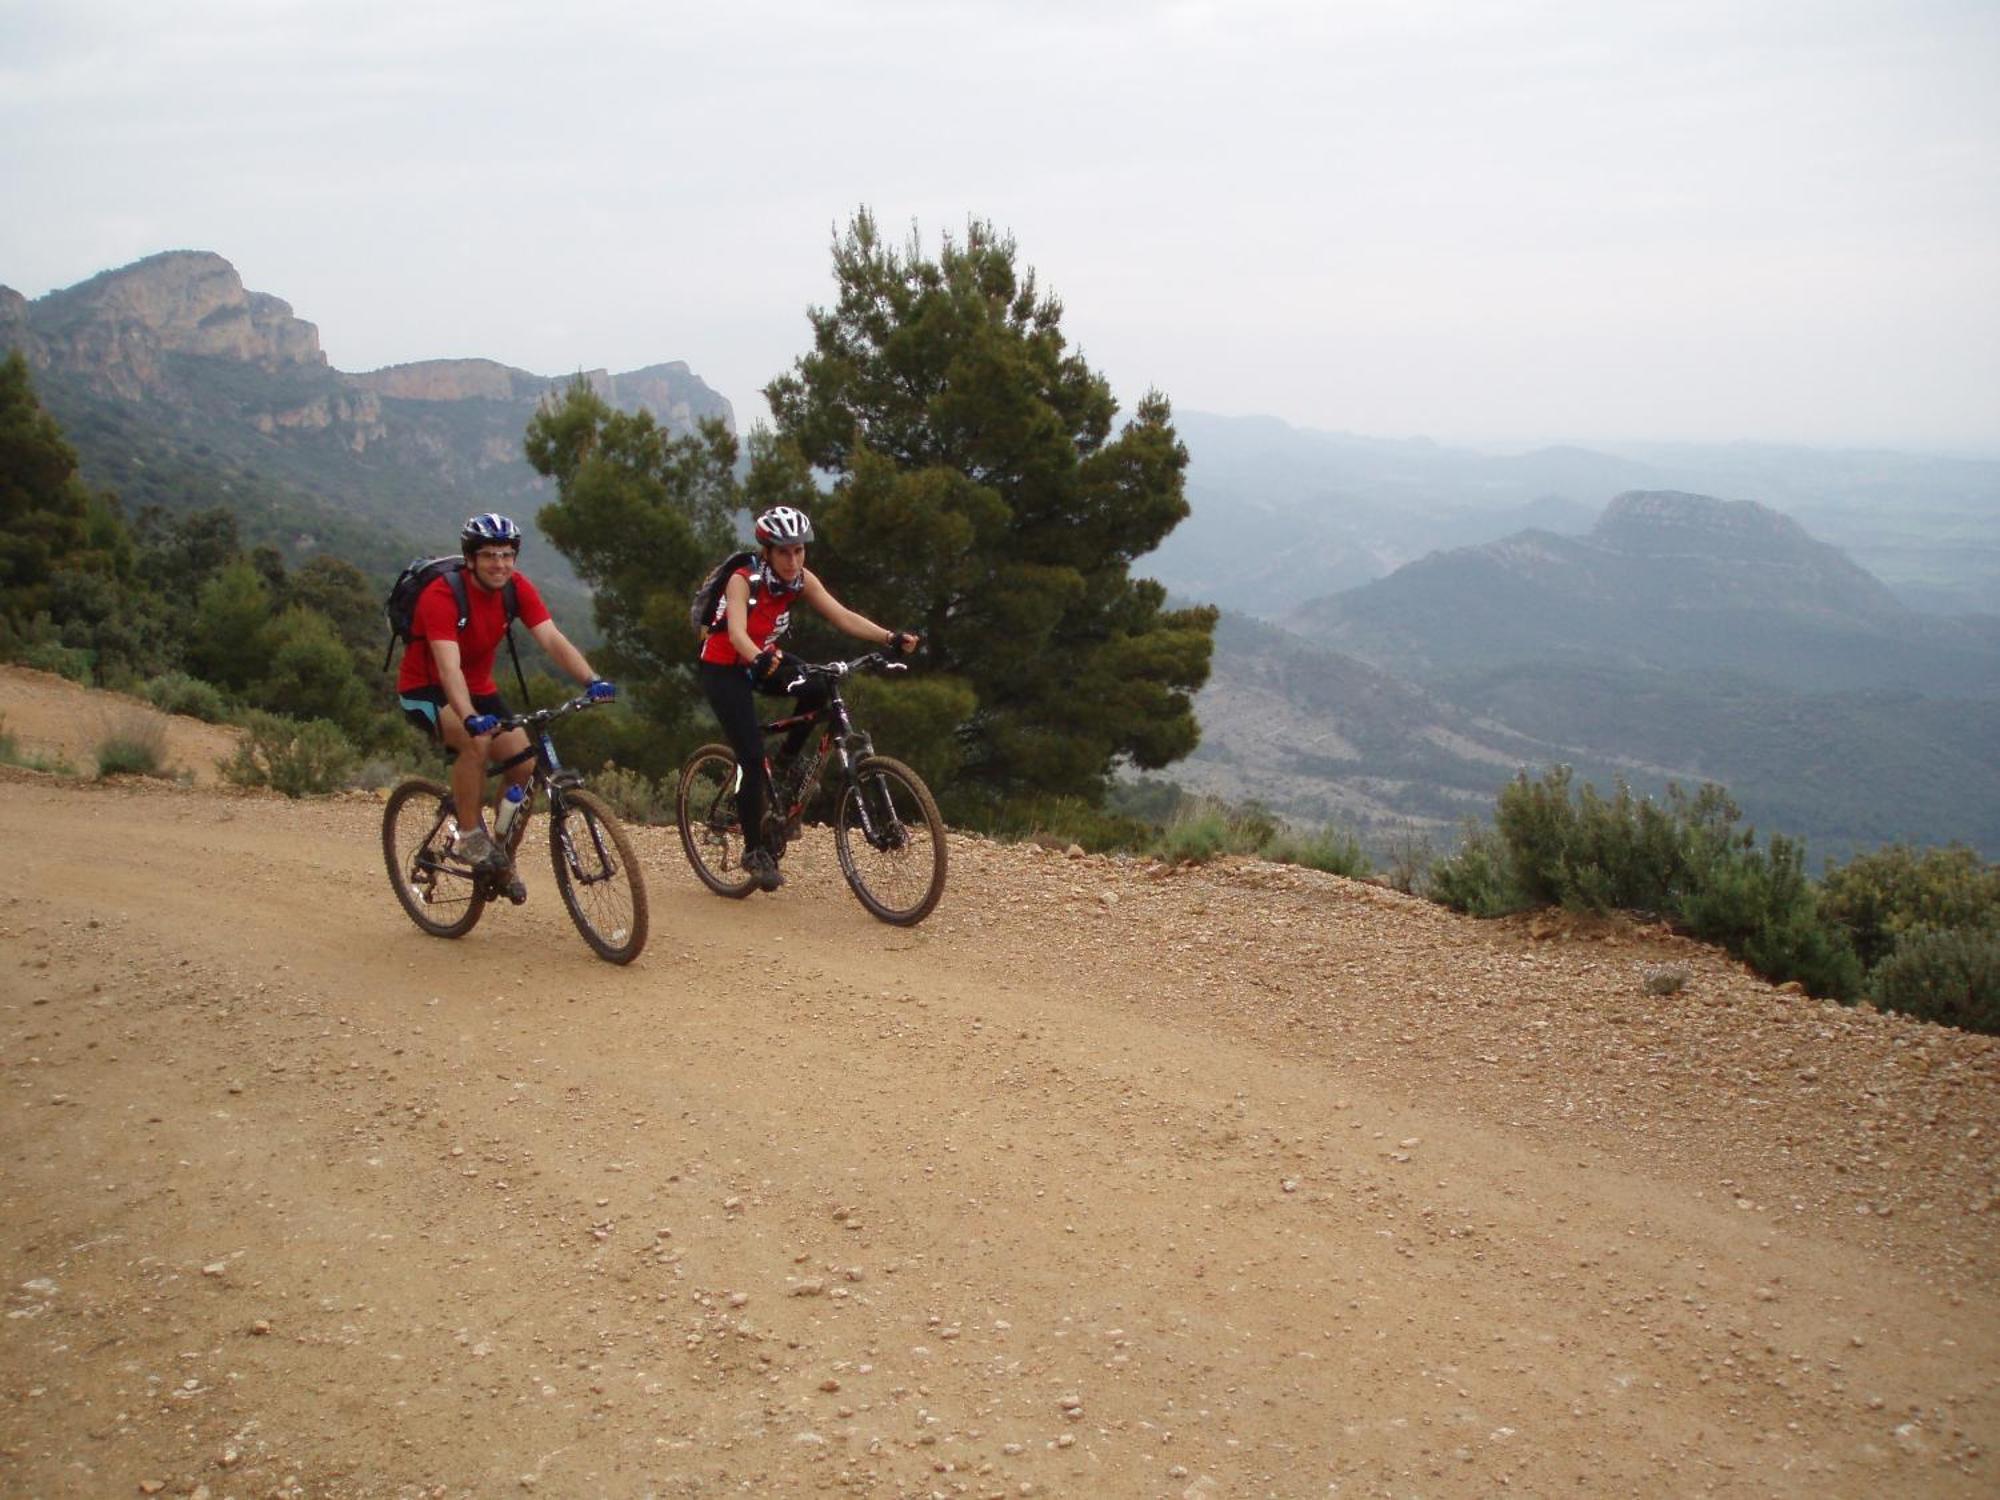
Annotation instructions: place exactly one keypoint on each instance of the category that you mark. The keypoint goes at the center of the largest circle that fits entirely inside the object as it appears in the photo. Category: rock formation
(181, 388)
(129, 334)
(116, 330)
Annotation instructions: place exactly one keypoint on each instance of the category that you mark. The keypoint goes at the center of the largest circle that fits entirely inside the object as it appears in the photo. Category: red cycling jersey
(769, 614)
(436, 616)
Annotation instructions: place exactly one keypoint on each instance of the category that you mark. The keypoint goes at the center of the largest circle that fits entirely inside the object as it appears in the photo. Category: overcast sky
(1496, 223)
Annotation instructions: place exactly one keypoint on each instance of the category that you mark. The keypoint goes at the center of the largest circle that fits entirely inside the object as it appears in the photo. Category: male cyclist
(446, 682)
(741, 655)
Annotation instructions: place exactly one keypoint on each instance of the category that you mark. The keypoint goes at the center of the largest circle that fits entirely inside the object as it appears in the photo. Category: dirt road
(1107, 1181)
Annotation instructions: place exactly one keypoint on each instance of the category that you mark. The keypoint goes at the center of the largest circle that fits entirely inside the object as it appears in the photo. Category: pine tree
(980, 497)
(642, 516)
(46, 512)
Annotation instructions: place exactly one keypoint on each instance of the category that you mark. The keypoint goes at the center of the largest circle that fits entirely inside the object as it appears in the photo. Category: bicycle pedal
(516, 891)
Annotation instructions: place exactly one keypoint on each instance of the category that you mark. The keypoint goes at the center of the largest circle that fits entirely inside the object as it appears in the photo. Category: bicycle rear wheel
(441, 895)
(711, 828)
(598, 875)
(890, 840)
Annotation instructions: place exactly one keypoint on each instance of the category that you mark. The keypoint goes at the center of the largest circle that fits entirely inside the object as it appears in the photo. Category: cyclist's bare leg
(470, 757)
(504, 746)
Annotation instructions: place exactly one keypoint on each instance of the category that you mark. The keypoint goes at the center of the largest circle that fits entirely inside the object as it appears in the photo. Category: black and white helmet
(782, 526)
(489, 530)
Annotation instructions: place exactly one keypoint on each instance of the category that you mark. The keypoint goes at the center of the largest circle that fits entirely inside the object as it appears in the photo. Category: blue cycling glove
(600, 691)
(482, 724)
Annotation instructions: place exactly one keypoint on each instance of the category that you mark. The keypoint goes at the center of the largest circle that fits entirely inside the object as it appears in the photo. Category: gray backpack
(705, 610)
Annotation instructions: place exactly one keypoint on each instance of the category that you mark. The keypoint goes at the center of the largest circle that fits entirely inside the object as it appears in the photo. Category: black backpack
(708, 593)
(401, 605)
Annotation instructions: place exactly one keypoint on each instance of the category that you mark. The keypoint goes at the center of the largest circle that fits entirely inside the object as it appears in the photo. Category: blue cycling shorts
(420, 706)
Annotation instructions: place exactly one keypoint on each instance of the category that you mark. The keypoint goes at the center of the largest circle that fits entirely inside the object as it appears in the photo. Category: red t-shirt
(769, 614)
(436, 616)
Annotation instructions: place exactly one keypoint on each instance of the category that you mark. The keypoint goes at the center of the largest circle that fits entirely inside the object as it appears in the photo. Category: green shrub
(1252, 827)
(1952, 978)
(49, 763)
(72, 662)
(1624, 853)
(1330, 850)
(1150, 799)
(917, 719)
(1478, 879)
(1879, 896)
(1760, 905)
(634, 796)
(406, 756)
(307, 671)
(1411, 859)
(229, 636)
(1202, 829)
(1063, 820)
(11, 754)
(1199, 834)
(1534, 821)
(1683, 858)
(178, 693)
(291, 756)
(136, 747)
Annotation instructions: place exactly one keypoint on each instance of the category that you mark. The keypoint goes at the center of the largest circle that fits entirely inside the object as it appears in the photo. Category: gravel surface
(1109, 1180)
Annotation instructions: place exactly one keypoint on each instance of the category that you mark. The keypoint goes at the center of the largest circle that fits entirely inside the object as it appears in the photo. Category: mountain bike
(886, 828)
(595, 868)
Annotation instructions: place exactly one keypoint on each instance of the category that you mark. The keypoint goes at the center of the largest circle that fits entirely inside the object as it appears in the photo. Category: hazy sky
(1497, 223)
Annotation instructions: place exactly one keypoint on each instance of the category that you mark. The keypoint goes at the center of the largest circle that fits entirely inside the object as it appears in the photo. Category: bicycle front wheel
(598, 875)
(890, 840)
(711, 828)
(441, 895)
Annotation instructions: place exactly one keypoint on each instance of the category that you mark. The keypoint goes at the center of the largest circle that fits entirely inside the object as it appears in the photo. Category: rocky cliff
(116, 331)
(451, 380)
(147, 332)
(182, 388)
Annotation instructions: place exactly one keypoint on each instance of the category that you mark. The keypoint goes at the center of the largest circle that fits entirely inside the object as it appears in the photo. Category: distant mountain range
(1681, 638)
(1284, 514)
(181, 388)
(1663, 580)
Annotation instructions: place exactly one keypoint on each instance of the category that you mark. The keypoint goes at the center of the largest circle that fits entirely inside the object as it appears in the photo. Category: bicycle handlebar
(838, 669)
(545, 716)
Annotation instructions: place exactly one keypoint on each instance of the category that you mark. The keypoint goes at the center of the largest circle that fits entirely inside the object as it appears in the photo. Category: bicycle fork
(606, 867)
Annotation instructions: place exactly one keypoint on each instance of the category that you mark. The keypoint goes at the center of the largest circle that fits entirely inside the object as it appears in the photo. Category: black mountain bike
(595, 868)
(886, 828)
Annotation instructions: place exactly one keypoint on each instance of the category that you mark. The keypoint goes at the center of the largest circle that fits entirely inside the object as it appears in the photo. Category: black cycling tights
(733, 697)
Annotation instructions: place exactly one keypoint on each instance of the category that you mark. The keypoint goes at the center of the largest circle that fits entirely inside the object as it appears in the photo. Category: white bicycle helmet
(782, 526)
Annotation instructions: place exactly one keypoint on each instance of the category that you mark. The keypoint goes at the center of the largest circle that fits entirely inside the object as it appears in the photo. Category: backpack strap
(718, 588)
(459, 592)
(510, 605)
